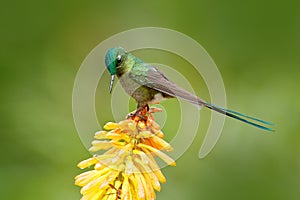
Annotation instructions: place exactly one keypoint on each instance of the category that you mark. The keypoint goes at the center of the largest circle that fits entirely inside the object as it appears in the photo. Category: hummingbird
(147, 85)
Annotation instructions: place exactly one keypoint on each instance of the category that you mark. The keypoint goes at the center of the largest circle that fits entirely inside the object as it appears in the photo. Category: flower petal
(100, 145)
(158, 153)
(111, 125)
(87, 163)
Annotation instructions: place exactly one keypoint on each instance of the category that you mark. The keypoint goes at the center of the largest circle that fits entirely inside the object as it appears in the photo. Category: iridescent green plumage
(146, 84)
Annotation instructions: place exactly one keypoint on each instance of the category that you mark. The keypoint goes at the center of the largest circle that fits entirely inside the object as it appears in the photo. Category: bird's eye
(119, 59)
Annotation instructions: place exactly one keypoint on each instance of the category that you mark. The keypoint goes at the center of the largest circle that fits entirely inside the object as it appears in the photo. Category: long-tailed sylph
(146, 84)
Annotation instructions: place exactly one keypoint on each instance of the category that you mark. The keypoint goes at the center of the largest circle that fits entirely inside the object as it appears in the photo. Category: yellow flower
(127, 169)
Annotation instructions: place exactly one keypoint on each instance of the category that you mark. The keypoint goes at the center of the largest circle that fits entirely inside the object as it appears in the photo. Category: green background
(255, 44)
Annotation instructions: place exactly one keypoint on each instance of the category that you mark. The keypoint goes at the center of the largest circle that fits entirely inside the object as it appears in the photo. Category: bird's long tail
(239, 116)
(170, 88)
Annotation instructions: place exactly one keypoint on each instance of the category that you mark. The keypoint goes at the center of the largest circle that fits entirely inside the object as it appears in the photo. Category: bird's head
(113, 59)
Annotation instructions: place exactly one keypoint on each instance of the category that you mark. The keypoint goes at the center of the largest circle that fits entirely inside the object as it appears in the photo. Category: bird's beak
(111, 83)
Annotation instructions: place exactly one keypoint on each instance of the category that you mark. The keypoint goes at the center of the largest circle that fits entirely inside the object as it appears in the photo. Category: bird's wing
(145, 74)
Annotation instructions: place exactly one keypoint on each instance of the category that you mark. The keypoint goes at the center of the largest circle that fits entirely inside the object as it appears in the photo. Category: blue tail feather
(243, 115)
(236, 115)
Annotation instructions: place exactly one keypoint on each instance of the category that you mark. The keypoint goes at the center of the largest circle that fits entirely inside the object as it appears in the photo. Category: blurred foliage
(256, 45)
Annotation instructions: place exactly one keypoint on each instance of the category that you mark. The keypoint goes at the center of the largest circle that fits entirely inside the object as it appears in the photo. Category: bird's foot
(130, 115)
(143, 114)
(136, 116)
(139, 114)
